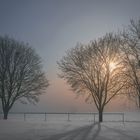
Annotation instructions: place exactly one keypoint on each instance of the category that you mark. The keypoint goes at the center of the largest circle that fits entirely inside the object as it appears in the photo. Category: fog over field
(69, 69)
(52, 27)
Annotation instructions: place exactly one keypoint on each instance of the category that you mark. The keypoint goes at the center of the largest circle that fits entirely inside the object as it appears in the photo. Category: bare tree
(21, 75)
(95, 70)
(131, 50)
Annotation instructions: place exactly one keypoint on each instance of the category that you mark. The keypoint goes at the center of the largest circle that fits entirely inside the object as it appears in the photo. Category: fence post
(94, 117)
(68, 116)
(24, 116)
(123, 117)
(45, 116)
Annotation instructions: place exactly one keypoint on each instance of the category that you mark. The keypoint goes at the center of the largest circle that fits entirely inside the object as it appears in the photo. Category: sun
(112, 66)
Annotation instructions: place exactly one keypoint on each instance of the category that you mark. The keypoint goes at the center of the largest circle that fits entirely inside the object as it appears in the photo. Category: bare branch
(20, 73)
(88, 69)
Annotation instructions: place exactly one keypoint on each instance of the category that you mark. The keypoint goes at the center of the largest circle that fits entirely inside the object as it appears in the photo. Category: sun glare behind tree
(95, 70)
(112, 66)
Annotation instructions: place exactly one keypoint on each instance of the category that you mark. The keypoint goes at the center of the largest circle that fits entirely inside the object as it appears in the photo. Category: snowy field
(58, 128)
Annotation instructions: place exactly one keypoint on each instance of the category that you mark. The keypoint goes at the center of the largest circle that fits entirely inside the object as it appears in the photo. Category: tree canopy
(21, 74)
(96, 70)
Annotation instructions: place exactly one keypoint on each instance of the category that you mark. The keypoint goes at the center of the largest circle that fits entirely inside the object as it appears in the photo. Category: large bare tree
(95, 70)
(131, 50)
(21, 74)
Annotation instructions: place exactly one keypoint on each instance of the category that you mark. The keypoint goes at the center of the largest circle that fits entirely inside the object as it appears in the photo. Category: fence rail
(71, 116)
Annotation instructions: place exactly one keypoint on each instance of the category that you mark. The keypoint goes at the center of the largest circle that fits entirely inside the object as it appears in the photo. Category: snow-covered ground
(55, 129)
(25, 130)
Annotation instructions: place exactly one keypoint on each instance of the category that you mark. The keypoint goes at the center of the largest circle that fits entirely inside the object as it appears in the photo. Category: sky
(54, 26)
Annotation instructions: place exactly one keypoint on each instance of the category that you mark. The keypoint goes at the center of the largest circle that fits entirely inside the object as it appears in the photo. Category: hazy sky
(52, 27)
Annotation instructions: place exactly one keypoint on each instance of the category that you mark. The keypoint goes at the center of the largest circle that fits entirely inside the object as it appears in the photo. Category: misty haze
(69, 70)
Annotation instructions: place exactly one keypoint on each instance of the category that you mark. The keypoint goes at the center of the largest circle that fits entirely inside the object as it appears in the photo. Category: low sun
(112, 66)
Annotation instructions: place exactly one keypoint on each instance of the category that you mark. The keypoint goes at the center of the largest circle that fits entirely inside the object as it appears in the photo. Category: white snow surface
(21, 130)
(13, 129)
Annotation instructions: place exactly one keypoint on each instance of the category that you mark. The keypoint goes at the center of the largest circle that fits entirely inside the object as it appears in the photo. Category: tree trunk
(139, 101)
(5, 114)
(100, 115)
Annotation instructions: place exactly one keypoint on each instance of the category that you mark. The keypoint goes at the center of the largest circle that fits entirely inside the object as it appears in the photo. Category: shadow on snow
(94, 132)
(82, 133)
